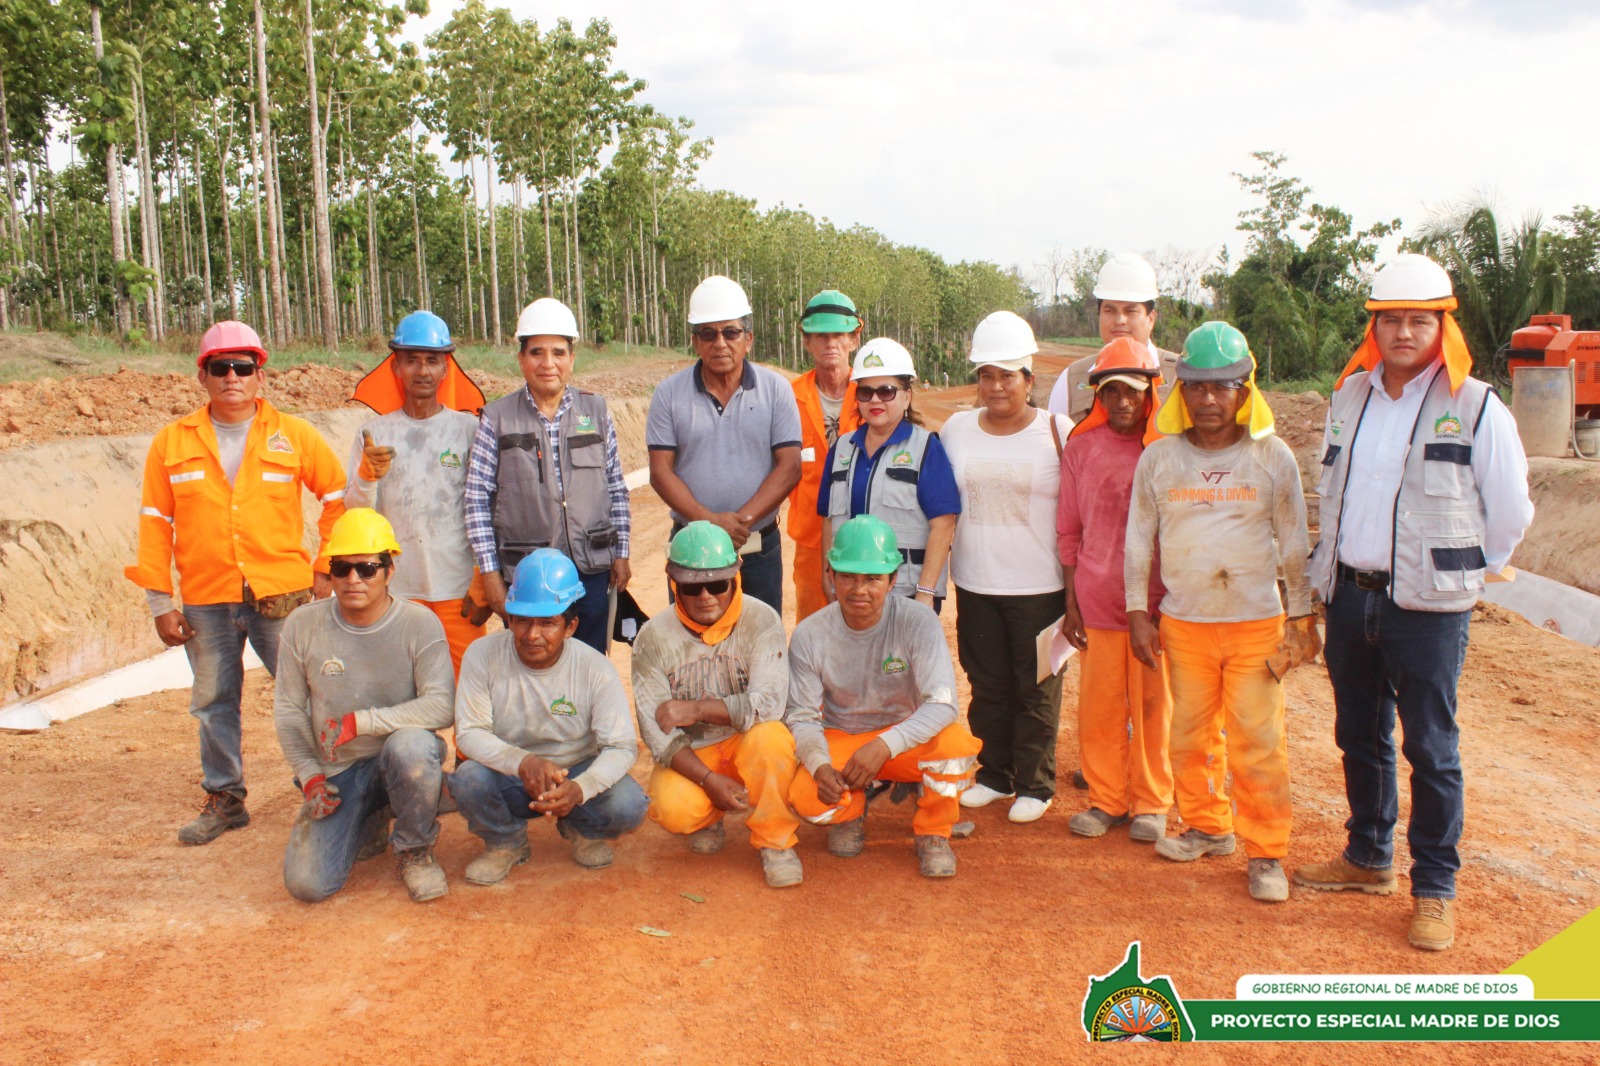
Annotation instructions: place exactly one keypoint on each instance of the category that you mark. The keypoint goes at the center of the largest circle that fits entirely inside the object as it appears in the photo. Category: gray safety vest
(1436, 561)
(1080, 397)
(891, 496)
(529, 511)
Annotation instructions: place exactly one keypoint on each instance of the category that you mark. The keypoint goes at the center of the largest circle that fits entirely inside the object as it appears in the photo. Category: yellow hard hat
(362, 531)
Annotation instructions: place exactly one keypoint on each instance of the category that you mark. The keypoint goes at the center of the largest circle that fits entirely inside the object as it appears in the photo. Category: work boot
(1433, 923)
(962, 830)
(934, 857)
(424, 878)
(904, 790)
(222, 811)
(781, 866)
(982, 796)
(1193, 845)
(1341, 875)
(1148, 828)
(708, 841)
(374, 835)
(1094, 822)
(590, 854)
(1268, 882)
(491, 867)
(848, 840)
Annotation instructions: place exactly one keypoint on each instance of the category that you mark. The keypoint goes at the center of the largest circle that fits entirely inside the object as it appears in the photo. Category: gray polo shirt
(723, 453)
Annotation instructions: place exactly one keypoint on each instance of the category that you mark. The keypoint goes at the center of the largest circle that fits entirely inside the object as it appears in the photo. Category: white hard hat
(717, 299)
(1003, 337)
(547, 317)
(1411, 277)
(1126, 277)
(883, 358)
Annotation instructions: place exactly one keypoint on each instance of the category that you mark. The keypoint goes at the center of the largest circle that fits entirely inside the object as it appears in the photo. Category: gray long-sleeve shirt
(506, 711)
(748, 672)
(1224, 519)
(895, 676)
(391, 674)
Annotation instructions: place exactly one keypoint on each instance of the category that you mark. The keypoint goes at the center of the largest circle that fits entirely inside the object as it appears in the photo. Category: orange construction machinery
(1550, 340)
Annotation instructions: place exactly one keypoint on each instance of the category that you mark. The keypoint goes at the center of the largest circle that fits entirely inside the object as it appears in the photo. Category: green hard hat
(1216, 351)
(830, 311)
(701, 551)
(865, 545)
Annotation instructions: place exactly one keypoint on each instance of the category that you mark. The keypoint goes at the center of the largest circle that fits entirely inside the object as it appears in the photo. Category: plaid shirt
(483, 471)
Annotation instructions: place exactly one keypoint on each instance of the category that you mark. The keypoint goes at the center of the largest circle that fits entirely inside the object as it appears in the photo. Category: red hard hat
(1124, 356)
(230, 337)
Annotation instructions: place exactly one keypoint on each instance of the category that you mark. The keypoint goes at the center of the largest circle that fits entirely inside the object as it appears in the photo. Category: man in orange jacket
(221, 500)
(827, 400)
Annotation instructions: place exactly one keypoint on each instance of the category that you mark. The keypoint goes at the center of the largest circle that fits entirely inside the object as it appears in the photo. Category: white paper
(1051, 650)
(808, 455)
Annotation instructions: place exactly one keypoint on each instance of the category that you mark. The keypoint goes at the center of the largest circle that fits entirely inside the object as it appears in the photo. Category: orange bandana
(722, 628)
(1098, 416)
(1457, 359)
(380, 390)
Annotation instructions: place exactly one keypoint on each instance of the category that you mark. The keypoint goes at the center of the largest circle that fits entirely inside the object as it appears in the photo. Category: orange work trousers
(1219, 678)
(761, 759)
(943, 767)
(1124, 715)
(457, 630)
(808, 597)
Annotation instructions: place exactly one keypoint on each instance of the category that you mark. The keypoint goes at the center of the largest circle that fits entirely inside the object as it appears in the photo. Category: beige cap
(1134, 380)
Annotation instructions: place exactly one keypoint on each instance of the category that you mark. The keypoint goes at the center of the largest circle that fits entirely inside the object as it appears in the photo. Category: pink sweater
(1092, 521)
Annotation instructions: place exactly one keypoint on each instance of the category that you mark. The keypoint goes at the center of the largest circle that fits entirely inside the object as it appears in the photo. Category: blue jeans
(216, 655)
(594, 610)
(1384, 659)
(407, 776)
(495, 806)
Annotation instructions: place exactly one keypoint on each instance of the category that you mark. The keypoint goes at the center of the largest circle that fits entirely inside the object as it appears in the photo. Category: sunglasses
(690, 589)
(344, 568)
(727, 333)
(885, 393)
(218, 368)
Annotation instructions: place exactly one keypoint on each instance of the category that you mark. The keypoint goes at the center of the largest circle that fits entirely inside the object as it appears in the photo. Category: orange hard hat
(230, 336)
(1124, 356)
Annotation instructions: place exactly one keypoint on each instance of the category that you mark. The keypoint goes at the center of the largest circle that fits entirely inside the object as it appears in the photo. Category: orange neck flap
(380, 390)
(1098, 416)
(1457, 359)
(722, 628)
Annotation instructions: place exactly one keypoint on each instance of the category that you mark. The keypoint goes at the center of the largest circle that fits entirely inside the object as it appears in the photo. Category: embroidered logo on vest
(901, 458)
(564, 707)
(450, 460)
(1447, 425)
(1336, 428)
(279, 443)
(895, 665)
(585, 423)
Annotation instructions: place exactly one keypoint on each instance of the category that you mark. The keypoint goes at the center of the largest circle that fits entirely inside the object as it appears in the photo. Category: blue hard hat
(546, 584)
(422, 331)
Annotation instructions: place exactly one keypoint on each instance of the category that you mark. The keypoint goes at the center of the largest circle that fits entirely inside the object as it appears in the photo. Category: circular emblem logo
(1136, 1014)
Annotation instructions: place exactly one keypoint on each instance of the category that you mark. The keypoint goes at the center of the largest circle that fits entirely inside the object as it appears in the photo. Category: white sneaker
(1028, 809)
(982, 796)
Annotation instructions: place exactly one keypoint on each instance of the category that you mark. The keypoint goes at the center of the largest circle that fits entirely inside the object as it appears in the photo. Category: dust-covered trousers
(1124, 717)
(761, 759)
(943, 767)
(1220, 681)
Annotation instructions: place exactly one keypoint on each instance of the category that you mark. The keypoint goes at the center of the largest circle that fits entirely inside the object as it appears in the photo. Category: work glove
(1301, 645)
(375, 460)
(336, 731)
(322, 799)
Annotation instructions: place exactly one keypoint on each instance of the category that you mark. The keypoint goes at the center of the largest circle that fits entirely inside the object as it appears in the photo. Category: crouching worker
(544, 719)
(872, 697)
(710, 684)
(363, 680)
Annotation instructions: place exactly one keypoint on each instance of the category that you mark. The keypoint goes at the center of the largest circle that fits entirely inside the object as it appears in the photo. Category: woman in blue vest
(895, 469)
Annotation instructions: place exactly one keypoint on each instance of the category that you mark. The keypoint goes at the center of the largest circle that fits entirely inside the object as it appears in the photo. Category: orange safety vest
(225, 535)
(805, 525)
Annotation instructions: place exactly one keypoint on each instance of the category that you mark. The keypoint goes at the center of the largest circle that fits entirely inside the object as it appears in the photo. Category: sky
(996, 131)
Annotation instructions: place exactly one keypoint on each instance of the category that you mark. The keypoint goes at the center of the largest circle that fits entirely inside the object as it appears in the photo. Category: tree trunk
(494, 239)
(11, 200)
(375, 310)
(319, 193)
(577, 249)
(281, 223)
(466, 256)
(113, 199)
(416, 237)
(544, 204)
(278, 303)
(266, 302)
(146, 241)
(227, 224)
(205, 232)
(519, 264)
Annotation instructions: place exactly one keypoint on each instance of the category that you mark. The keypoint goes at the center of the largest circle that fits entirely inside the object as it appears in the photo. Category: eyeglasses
(868, 393)
(218, 368)
(344, 567)
(690, 589)
(727, 333)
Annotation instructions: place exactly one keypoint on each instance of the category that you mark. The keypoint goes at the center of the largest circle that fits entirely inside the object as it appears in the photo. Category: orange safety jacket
(226, 535)
(805, 525)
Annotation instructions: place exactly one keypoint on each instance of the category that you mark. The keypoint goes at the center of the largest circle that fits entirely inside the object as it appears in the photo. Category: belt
(1370, 580)
(763, 533)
